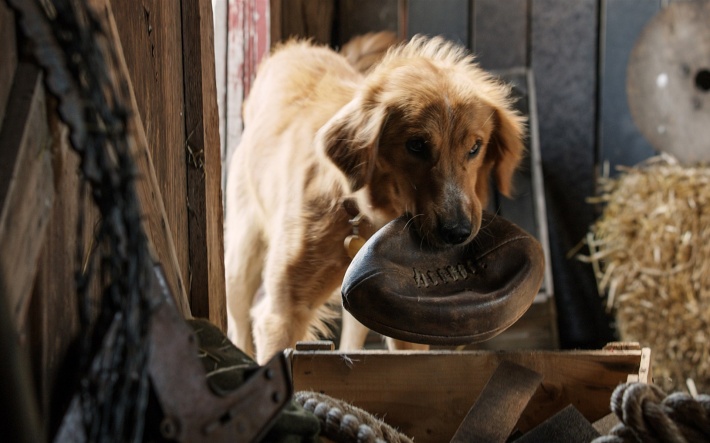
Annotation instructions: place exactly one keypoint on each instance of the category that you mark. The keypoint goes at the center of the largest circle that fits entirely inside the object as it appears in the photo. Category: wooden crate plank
(448, 18)
(356, 17)
(499, 34)
(493, 416)
(398, 385)
(204, 169)
(567, 426)
(150, 34)
(620, 141)
(8, 56)
(26, 188)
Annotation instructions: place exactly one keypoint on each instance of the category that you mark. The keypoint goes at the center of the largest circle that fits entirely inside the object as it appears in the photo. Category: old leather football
(403, 288)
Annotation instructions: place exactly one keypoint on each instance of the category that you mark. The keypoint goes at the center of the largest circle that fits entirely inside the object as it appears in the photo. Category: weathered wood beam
(204, 169)
(26, 188)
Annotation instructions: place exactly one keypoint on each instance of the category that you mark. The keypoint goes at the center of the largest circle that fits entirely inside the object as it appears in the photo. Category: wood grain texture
(149, 191)
(26, 188)
(53, 315)
(497, 409)
(427, 394)
(150, 34)
(8, 56)
(204, 169)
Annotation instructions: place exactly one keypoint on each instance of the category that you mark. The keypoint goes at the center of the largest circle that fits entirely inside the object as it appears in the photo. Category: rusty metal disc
(668, 81)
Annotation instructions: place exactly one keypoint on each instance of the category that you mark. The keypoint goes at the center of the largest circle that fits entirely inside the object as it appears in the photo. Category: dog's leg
(244, 261)
(284, 314)
(399, 345)
(352, 334)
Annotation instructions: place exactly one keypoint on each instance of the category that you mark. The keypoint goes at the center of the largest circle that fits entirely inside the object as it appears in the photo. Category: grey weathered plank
(564, 60)
(448, 18)
(620, 141)
(499, 33)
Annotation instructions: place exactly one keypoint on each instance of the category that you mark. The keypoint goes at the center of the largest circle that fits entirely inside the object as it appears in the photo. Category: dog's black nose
(456, 232)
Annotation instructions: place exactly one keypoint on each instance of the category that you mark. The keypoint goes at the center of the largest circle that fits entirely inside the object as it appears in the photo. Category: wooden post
(204, 169)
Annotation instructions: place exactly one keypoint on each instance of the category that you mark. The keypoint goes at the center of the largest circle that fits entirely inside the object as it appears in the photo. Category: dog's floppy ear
(350, 140)
(506, 148)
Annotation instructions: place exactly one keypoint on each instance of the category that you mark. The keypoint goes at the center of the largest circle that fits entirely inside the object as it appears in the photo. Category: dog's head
(424, 135)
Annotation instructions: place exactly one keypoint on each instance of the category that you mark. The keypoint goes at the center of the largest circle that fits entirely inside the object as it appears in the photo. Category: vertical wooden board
(8, 56)
(499, 33)
(356, 17)
(448, 18)
(564, 60)
(308, 18)
(151, 37)
(26, 189)
(53, 315)
(620, 142)
(206, 291)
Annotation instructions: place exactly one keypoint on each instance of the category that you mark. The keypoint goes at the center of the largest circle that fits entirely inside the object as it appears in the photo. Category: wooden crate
(427, 394)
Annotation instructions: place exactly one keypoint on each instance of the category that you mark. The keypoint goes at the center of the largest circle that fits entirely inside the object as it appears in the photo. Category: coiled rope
(648, 415)
(345, 423)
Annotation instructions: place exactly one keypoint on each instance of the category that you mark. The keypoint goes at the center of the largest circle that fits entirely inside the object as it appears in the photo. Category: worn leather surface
(403, 288)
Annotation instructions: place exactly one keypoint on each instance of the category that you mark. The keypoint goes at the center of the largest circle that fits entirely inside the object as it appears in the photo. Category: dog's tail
(365, 51)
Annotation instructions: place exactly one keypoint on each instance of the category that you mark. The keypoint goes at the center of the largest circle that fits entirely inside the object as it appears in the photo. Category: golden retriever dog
(422, 133)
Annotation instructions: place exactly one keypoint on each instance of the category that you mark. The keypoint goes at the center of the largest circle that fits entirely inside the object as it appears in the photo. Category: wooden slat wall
(312, 18)
(38, 226)
(499, 33)
(152, 45)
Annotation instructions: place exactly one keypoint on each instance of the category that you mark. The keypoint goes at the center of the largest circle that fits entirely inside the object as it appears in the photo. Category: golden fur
(397, 140)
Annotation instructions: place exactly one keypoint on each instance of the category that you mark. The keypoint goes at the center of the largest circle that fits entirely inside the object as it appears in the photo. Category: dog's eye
(417, 146)
(476, 148)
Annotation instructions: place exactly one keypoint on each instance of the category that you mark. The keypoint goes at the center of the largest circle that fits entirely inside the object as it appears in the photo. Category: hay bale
(651, 253)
